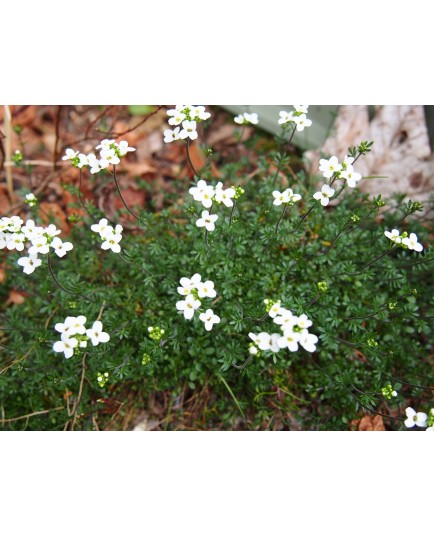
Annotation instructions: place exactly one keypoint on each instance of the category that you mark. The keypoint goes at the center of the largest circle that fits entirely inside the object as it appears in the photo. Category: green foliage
(373, 317)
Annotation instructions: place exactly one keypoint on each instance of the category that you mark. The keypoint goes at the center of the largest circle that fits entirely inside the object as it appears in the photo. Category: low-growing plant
(257, 299)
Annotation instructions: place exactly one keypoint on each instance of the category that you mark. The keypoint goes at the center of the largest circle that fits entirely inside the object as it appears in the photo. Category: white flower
(177, 117)
(253, 350)
(100, 227)
(171, 135)
(347, 163)
(51, 230)
(285, 319)
(16, 241)
(413, 418)
(187, 285)
(188, 130)
(198, 112)
(224, 196)
(206, 290)
(293, 198)
(12, 224)
(301, 108)
(209, 318)
(324, 195)
(274, 309)
(289, 340)
(308, 340)
(83, 160)
(108, 157)
(31, 200)
(266, 341)
(207, 220)
(301, 121)
(39, 245)
(286, 197)
(31, 231)
(124, 148)
(70, 153)
(65, 327)
(188, 306)
(60, 248)
(245, 118)
(76, 324)
(4, 237)
(94, 164)
(96, 334)
(29, 263)
(394, 235)
(112, 240)
(66, 345)
(303, 322)
(280, 197)
(412, 243)
(203, 192)
(105, 145)
(285, 117)
(350, 176)
(329, 167)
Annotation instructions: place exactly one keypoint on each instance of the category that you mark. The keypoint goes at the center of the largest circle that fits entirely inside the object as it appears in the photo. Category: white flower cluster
(110, 237)
(31, 200)
(246, 119)
(403, 240)
(193, 289)
(297, 116)
(205, 193)
(189, 116)
(332, 168)
(288, 197)
(75, 335)
(111, 152)
(15, 236)
(294, 332)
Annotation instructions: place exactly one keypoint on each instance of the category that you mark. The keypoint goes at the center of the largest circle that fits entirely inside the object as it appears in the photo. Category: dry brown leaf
(401, 150)
(15, 298)
(372, 423)
(47, 210)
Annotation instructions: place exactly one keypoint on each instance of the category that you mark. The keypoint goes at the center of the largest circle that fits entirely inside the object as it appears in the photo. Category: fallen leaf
(15, 298)
(372, 423)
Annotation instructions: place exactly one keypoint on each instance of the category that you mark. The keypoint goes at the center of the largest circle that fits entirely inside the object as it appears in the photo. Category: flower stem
(232, 213)
(120, 195)
(304, 216)
(285, 208)
(50, 269)
(283, 156)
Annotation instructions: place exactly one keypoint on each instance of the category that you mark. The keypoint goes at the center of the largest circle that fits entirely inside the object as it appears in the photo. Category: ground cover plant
(256, 297)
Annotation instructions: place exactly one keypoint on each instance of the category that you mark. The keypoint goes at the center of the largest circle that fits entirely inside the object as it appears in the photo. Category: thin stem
(313, 300)
(133, 262)
(32, 414)
(304, 216)
(232, 213)
(120, 195)
(77, 402)
(283, 156)
(50, 269)
(8, 150)
(285, 208)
